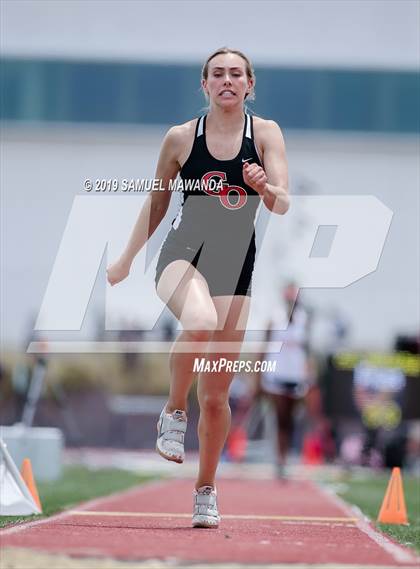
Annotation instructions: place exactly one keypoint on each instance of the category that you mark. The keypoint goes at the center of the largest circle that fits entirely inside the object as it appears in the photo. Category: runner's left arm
(271, 181)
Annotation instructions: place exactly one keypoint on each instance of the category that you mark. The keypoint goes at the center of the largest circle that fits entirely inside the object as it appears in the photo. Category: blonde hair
(248, 67)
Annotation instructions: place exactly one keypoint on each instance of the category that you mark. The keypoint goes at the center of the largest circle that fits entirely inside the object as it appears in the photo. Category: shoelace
(205, 502)
(207, 490)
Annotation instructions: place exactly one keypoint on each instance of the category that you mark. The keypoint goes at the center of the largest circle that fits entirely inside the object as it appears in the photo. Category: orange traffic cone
(393, 510)
(28, 477)
(312, 450)
(237, 444)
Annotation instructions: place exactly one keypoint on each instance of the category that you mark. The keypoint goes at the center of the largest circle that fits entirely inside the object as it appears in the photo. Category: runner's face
(227, 82)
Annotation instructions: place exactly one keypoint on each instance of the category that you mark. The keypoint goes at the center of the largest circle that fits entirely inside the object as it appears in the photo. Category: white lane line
(399, 554)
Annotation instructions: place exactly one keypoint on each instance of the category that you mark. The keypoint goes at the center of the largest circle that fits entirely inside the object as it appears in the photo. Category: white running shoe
(205, 513)
(280, 471)
(171, 429)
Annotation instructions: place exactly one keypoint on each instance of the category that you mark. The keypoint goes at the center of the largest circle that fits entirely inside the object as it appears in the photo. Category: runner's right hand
(118, 271)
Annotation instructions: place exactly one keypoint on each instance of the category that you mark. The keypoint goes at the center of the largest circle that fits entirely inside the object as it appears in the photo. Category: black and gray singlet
(214, 229)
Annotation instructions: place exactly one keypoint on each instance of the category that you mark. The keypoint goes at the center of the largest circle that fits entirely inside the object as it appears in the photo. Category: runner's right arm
(154, 208)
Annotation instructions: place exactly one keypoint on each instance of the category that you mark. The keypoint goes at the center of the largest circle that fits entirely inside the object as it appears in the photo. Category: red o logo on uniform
(231, 197)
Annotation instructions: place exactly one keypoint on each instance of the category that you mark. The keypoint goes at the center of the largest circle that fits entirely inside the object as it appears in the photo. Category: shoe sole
(204, 523)
(169, 457)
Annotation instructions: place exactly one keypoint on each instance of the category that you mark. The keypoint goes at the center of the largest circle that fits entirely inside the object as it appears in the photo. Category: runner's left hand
(255, 177)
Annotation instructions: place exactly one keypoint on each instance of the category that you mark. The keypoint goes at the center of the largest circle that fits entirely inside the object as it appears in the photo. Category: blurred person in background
(294, 378)
(205, 265)
(25, 370)
(132, 361)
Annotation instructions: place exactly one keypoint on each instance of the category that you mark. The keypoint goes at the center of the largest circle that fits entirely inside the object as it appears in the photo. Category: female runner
(205, 264)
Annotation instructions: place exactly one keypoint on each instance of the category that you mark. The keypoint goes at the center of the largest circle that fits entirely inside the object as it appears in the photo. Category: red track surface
(249, 540)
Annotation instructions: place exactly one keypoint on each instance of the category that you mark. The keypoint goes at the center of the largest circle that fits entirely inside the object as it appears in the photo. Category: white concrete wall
(44, 169)
(343, 33)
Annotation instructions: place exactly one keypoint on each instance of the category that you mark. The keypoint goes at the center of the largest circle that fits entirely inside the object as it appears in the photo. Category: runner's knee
(200, 324)
(213, 403)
